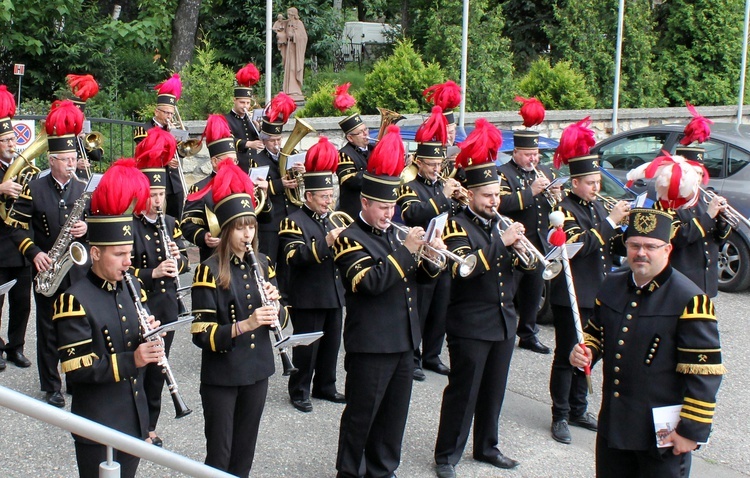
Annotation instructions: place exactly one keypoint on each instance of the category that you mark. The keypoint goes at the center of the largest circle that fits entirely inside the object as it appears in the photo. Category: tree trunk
(183, 33)
(405, 16)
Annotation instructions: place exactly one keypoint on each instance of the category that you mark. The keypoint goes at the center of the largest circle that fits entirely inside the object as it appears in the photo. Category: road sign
(19, 69)
(25, 133)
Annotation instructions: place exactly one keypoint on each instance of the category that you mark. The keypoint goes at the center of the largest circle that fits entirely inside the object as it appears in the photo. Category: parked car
(726, 158)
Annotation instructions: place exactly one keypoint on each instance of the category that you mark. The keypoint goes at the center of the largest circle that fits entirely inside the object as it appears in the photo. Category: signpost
(19, 69)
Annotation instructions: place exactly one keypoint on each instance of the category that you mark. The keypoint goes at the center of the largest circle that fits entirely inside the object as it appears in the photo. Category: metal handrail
(107, 436)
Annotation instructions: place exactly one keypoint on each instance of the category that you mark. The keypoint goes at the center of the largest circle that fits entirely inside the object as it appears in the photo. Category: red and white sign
(19, 69)
(25, 133)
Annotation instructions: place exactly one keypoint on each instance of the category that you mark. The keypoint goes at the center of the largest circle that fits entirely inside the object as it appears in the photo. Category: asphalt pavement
(295, 444)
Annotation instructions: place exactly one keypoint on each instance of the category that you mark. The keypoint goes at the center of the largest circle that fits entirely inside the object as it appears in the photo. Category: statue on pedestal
(291, 37)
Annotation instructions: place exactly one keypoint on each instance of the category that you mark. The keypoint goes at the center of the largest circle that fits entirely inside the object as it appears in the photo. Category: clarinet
(166, 239)
(286, 362)
(181, 409)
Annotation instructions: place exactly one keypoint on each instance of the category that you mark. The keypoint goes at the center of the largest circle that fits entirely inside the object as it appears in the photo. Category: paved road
(293, 444)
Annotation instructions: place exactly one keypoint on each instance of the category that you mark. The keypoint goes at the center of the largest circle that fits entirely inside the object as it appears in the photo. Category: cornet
(730, 214)
(440, 256)
(552, 198)
(527, 253)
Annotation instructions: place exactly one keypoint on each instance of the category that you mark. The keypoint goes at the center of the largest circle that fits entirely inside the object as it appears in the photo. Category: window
(632, 151)
(738, 159)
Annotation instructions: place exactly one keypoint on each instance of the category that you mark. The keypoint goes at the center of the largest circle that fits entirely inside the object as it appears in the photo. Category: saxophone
(65, 252)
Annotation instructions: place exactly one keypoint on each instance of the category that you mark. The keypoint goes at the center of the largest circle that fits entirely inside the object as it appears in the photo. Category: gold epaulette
(699, 307)
(67, 306)
(203, 277)
(16, 223)
(344, 159)
(453, 229)
(344, 245)
(405, 191)
(288, 226)
(193, 189)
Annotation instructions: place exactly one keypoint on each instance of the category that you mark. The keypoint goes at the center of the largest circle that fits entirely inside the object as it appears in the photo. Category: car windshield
(632, 151)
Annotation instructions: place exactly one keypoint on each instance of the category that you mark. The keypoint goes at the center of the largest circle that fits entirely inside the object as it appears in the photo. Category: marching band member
(84, 87)
(522, 184)
(586, 222)
(315, 292)
(232, 320)
(156, 263)
(240, 120)
(657, 335)
(13, 265)
(448, 97)
(38, 216)
(420, 200)
(352, 163)
(279, 112)
(382, 321)
(102, 352)
(481, 320)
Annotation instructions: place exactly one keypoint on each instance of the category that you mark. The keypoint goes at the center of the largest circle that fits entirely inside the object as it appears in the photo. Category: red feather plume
(156, 149)
(64, 118)
(281, 106)
(7, 103)
(172, 86)
(699, 128)
(216, 128)
(576, 140)
(230, 179)
(445, 95)
(481, 145)
(532, 111)
(342, 100)
(122, 186)
(83, 86)
(248, 75)
(322, 156)
(434, 129)
(387, 159)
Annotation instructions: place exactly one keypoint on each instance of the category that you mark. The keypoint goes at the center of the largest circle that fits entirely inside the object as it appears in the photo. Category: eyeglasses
(635, 247)
(8, 140)
(166, 113)
(324, 197)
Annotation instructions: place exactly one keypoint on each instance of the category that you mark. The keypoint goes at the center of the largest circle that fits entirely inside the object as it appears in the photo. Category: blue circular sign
(23, 134)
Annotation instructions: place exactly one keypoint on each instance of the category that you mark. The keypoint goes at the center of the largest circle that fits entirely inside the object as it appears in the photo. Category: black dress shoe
(302, 405)
(500, 461)
(534, 345)
(17, 358)
(586, 421)
(445, 470)
(56, 399)
(419, 375)
(336, 397)
(561, 432)
(438, 367)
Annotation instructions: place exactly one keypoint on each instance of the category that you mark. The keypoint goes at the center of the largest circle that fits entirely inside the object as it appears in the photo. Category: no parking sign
(25, 133)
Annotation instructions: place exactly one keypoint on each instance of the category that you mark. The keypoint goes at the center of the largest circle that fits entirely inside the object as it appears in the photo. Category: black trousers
(19, 299)
(175, 200)
(476, 390)
(316, 362)
(657, 463)
(378, 390)
(47, 355)
(153, 383)
(89, 456)
(232, 417)
(432, 300)
(567, 384)
(529, 286)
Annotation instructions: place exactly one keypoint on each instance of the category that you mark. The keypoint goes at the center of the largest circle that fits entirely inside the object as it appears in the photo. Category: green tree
(699, 50)
(207, 85)
(558, 88)
(526, 25)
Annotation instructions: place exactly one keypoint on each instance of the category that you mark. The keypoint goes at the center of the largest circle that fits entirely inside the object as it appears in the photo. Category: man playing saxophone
(38, 217)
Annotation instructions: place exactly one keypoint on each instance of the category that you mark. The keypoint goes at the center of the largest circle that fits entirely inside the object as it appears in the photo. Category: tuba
(301, 129)
(22, 169)
(387, 118)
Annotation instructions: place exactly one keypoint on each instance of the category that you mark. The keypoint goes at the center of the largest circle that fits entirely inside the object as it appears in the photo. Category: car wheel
(544, 315)
(734, 264)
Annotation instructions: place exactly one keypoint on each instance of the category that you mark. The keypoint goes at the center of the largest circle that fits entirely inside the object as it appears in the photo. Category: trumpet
(552, 198)
(339, 218)
(609, 203)
(730, 214)
(440, 256)
(527, 253)
(461, 194)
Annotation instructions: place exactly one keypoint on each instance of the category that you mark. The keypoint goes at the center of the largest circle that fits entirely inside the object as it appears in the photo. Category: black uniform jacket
(696, 244)
(280, 206)
(314, 280)
(243, 131)
(227, 361)
(422, 199)
(660, 346)
(194, 223)
(148, 252)
(481, 305)
(9, 254)
(380, 277)
(585, 223)
(519, 203)
(97, 334)
(352, 165)
(174, 185)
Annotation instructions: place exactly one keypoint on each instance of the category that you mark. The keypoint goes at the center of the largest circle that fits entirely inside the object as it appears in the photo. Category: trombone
(730, 214)
(440, 260)
(527, 253)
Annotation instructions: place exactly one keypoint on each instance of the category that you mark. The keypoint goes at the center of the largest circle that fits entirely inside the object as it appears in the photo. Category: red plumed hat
(387, 159)
(169, 91)
(218, 136)
(445, 95)
(281, 108)
(123, 186)
(84, 87)
(699, 128)
(247, 76)
(64, 118)
(156, 150)
(576, 140)
(481, 145)
(7, 103)
(233, 193)
(322, 157)
(342, 100)
(434, 129)
(532, 111)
